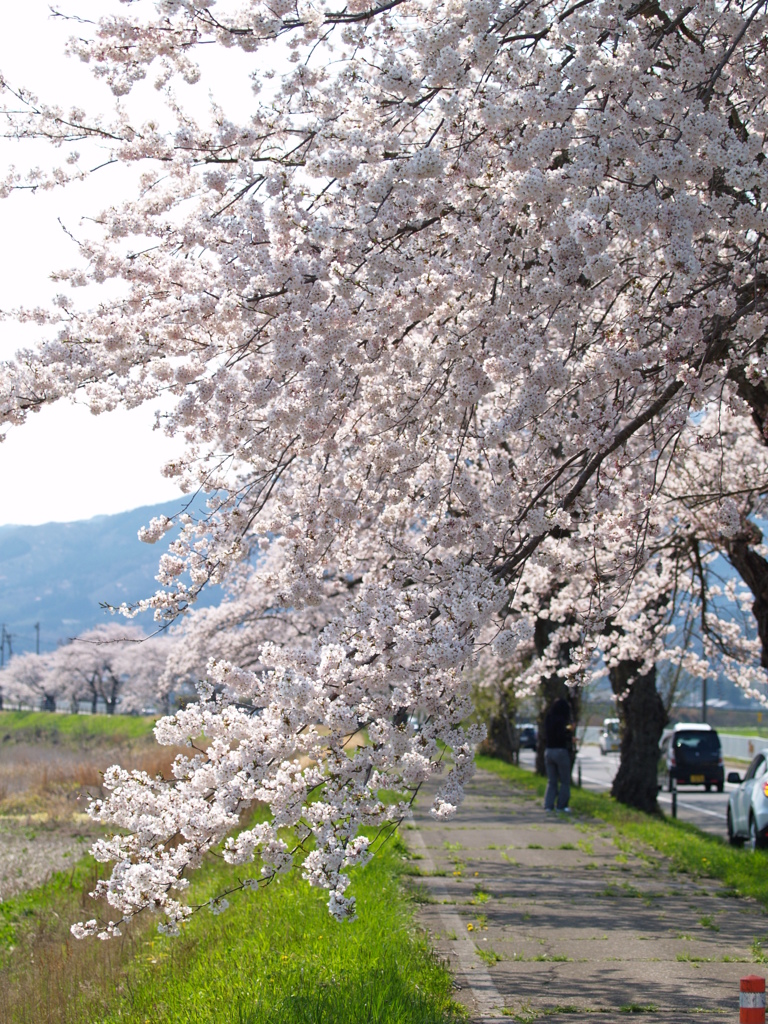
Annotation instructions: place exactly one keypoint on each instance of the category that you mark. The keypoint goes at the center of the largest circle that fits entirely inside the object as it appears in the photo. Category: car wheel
(720, 787)
(733, 839)
(708, 787)
(756, 842)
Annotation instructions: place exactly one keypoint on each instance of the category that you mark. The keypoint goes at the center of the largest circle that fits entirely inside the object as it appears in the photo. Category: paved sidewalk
(546, 917)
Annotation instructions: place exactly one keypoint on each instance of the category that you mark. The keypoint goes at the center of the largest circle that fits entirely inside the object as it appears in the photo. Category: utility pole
(37, 639)
(704, 699)
(2, 647)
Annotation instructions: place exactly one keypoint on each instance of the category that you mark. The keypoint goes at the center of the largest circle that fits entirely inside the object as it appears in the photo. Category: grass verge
(49, 727)
(45, 976)
(759, 732)
(688, 849)
(274, 957)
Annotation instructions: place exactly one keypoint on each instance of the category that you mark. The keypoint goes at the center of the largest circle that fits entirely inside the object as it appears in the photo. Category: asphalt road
(705, 810)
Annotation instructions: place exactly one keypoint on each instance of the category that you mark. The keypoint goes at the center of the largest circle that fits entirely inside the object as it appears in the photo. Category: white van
(610, 737)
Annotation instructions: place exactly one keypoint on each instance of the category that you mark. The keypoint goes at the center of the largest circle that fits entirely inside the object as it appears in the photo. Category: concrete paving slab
(545, 916)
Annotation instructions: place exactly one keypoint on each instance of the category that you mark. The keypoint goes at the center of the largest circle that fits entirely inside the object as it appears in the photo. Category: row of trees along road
(114, 666)
(461, 311)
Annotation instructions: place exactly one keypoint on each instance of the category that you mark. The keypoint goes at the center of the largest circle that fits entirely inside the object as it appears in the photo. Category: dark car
(691, 755)
(528, 736)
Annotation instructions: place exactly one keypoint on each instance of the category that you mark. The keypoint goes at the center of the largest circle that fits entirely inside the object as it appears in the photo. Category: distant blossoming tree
(435, 312)
(27, 680)
(113, 665)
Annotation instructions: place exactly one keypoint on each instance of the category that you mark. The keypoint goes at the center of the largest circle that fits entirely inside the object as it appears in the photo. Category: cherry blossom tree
(435, 314)
(114, 664)
(680, 608)
(722, 489)
(27, 679)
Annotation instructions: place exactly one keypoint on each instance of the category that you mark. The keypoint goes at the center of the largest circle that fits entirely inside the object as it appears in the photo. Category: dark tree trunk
(110, 691)
(400, 718)
(643, 717)
(502, 740)
(552, 687)
(110, 701)
(753, 569)
(92, 685)
(756, 397)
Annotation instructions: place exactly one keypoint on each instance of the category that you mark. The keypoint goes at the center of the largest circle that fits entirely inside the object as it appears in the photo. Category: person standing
(558, 733)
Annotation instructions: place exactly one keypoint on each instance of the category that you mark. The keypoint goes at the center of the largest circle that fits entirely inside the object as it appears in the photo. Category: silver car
(748, 805)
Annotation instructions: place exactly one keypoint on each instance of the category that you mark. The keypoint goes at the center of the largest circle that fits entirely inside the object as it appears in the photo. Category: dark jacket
(556, 725)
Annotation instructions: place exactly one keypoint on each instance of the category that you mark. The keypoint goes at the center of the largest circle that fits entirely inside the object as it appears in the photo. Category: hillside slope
(57, 574)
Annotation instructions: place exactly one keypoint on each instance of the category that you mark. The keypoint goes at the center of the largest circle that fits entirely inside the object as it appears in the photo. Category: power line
(5, 638)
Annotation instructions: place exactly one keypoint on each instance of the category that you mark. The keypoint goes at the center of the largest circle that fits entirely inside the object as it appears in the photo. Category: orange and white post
(752, 1000)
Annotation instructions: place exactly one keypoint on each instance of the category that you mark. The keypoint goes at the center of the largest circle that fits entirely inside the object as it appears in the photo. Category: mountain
(57, 574)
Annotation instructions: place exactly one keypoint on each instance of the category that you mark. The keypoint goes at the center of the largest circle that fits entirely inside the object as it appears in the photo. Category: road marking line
(605, 786)
(487, 996)
(693, 807)
(596, 782)
(666, 799)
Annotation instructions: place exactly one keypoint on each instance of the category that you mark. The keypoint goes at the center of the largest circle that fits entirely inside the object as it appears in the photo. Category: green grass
(274, 957)
(479, 896)
(743, 730)
(21, 914)
(490, 956)
(291, 963)
(36, 726)
(688, 849)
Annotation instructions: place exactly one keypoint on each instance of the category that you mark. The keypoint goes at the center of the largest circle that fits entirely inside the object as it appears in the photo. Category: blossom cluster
(441, 318)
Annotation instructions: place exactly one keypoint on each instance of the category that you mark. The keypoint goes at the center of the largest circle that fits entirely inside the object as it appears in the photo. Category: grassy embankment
(275, 957)
(45, 727)
(687, 847)
(47, 760)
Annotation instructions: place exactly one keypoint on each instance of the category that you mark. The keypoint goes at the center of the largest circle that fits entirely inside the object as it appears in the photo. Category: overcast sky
(64, 464)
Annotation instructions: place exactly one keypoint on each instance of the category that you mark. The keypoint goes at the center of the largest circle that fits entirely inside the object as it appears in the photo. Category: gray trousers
(558, 764)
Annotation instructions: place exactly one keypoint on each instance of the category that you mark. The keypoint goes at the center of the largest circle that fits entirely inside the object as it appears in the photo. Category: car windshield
(697, 744)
